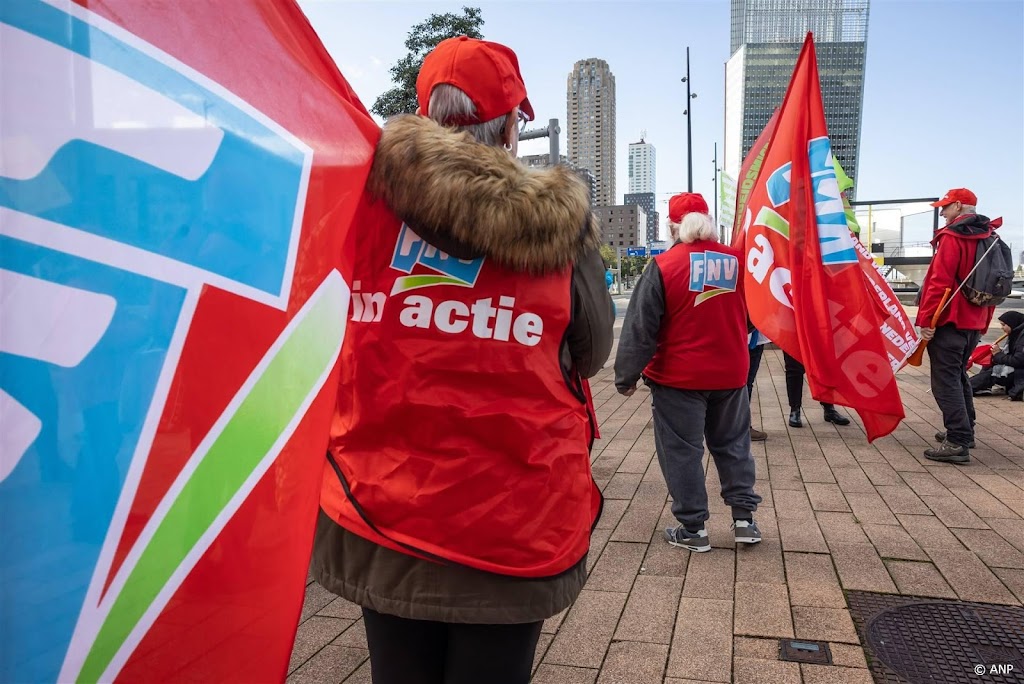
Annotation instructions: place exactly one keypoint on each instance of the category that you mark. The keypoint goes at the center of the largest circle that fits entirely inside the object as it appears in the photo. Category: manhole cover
(913, 640)
(802, 651)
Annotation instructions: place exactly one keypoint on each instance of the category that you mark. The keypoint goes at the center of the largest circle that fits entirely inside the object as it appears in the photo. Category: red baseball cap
(962, 195)
(685, 203)
(487, 72)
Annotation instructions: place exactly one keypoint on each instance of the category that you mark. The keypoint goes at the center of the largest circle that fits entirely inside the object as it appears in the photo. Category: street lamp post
(715, 190)
(689, 135)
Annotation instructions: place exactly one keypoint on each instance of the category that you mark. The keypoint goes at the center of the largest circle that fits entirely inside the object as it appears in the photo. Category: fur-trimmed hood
(469, 199)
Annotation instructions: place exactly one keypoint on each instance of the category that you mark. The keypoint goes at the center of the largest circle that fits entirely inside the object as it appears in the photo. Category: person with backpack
(962, 322)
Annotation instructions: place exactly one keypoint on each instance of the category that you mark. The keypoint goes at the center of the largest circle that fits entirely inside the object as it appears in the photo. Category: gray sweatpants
(682, 420)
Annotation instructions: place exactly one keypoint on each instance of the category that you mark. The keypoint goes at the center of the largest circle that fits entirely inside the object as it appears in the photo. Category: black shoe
(835, 417)
(794, 418)
(940, 437)
(947, 452)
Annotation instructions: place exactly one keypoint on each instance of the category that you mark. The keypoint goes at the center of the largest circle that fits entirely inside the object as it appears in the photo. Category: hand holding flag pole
(918, 355)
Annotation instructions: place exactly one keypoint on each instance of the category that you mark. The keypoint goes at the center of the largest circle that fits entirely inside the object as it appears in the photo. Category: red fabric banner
(805, 281)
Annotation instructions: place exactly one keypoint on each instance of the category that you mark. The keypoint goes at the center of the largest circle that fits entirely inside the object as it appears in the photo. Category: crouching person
(685, 332)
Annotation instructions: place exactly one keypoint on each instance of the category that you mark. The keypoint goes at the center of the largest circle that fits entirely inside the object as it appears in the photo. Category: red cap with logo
(487, 72)
(961, 195)
(685, 203)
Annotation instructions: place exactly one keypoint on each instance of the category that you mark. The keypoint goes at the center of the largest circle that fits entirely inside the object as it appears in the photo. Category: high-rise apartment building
(645, 200)
(622, 225)
(765, 39)
(590, 107)
(642, 165)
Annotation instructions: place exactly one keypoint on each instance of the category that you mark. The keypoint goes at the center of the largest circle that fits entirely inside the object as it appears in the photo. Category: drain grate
(911, 640)
(801, 651)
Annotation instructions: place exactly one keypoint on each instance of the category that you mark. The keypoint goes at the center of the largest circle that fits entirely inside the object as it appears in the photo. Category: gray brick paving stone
(650, 610)
(630, 662)
(984, 504)
(860, 567)
(902, 499)
(827, 497)
(617, 568)
(710, 575)
(706, 653)
(761, 563)
(562, 674)
(764, 610)
(1013, 579)
(868, 507)
(892, 541)
(753, 671)
(953, 512)
(313, 634)
(642, 514)
(622, 486)
(812, 581)
(330, 664)
(611, 513)
(991, 548)
(801, 535)
(970, 578)
(587, 630)
(919, 579)
(317, 598)
(929, 532)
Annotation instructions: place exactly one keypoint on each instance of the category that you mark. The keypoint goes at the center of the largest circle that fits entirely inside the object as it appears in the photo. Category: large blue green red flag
(179, 183)
(805, 285)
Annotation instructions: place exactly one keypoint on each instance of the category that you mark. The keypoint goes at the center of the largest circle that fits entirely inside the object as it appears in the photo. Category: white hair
(695, 226)
(968, 209)
(448, 102)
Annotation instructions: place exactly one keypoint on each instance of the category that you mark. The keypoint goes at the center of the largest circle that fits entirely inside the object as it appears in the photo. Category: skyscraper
(590, 105)
(765, 39)
(642, 166)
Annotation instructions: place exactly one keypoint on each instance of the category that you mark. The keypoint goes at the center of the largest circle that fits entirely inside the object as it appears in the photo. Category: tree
(423, 38)
(608, 256)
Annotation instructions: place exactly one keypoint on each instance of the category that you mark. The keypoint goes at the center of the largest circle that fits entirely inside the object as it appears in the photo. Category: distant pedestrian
(795, 393)
(756, 342)
(685, 333)
(959, 327)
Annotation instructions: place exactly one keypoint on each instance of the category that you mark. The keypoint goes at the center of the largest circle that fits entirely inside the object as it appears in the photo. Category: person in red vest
(685, 333)
(457, 499)
(959, 327)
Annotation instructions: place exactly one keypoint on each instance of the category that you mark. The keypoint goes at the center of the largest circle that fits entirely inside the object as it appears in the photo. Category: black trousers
(795, 382)
(404, 651)
(949, 352)
(755, 363)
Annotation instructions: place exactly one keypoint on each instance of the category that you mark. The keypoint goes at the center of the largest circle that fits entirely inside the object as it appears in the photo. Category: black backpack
(989, 282)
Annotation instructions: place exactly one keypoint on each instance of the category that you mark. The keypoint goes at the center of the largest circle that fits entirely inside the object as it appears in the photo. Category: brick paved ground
(838, 514)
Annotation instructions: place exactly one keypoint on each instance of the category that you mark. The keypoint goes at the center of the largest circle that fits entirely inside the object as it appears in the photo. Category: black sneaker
(694, 541)
(947, 452)
(940, 437)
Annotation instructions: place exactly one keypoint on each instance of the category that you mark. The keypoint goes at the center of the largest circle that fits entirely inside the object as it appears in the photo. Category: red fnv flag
(805, 288)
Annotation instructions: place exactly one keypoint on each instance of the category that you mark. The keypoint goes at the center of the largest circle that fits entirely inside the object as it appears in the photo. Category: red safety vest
(702, 344)
(456, 436)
